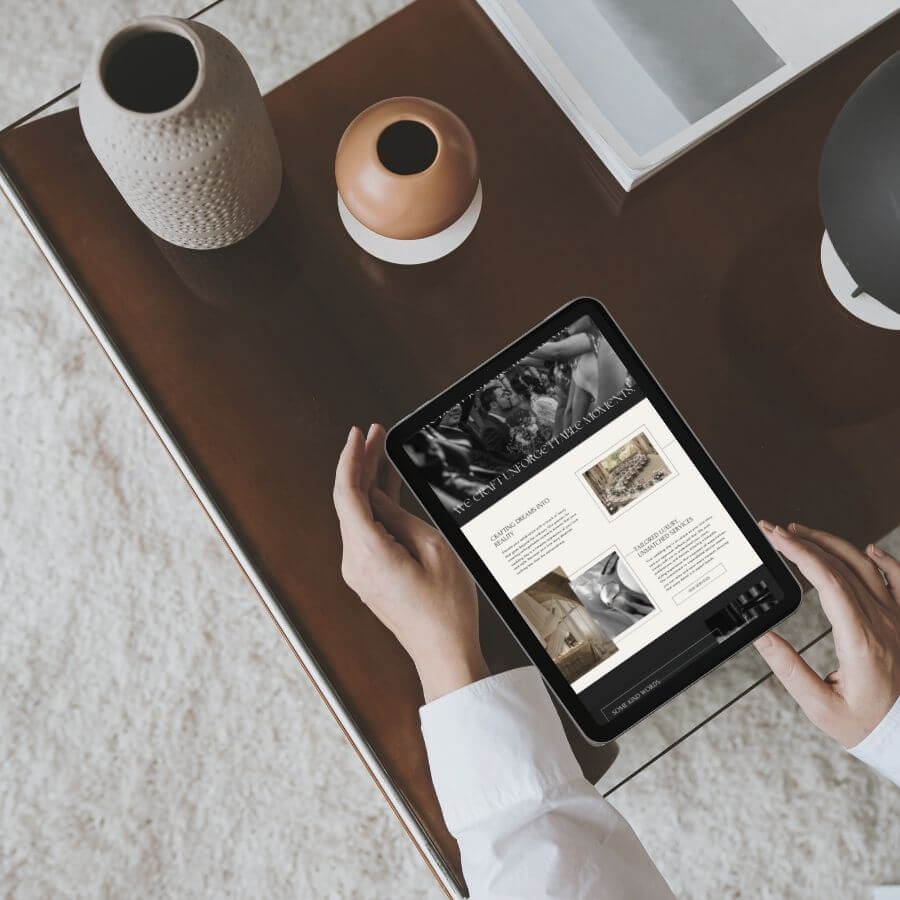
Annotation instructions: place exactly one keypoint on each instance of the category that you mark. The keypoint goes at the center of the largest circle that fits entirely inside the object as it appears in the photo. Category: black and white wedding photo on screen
(566, 629)
(623, 475)
(518, 412)
(611, 594)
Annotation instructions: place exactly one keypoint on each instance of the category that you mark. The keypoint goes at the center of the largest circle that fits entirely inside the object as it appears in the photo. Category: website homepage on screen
(582, 504)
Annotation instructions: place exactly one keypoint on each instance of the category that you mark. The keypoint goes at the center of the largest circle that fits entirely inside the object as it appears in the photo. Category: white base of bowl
(418, 250)
(863, 306)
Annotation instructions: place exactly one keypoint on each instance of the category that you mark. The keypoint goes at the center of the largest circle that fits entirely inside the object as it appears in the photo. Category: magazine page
(653, 68)
(646, 79)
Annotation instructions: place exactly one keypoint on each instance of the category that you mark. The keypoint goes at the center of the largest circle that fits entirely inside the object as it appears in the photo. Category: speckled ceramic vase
(173, 113)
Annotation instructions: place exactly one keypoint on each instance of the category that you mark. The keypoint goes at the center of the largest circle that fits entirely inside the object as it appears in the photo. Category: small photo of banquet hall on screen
(516, 413)
(626, 473)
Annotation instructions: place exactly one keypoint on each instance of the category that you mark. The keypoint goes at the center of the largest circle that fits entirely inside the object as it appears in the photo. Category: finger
(889, 566)
(858, 563)
(408, 529)
(392, 481)
(350, 501)
(822, 573)
(830, 559)
(373, 455)
(813, 695)
(386, 476)
(857, 593)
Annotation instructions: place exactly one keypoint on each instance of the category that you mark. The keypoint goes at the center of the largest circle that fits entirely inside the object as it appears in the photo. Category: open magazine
(644, 80)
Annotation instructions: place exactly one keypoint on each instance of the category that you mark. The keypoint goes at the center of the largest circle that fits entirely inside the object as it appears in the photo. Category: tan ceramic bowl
(407, 168)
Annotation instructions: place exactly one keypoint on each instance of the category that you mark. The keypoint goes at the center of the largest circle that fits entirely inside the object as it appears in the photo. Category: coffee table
(250, 363)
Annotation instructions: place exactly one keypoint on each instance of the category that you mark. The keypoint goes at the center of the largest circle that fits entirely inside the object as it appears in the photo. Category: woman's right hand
(860, 595)
(404, 570)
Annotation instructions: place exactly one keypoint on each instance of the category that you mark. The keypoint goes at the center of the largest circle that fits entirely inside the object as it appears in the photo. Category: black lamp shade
(859, 184)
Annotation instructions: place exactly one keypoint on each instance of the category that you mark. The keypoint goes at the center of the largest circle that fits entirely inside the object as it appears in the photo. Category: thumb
(813, 695)
(889, 566)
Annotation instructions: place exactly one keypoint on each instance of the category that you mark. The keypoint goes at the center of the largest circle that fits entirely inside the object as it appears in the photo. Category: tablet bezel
(595, 730)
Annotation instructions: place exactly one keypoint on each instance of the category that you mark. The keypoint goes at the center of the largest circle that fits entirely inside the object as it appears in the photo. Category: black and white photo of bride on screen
(516, 413)
(612, 595)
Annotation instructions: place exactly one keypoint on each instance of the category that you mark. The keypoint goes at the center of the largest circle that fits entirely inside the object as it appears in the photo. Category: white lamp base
(863, 306)
(419, 250)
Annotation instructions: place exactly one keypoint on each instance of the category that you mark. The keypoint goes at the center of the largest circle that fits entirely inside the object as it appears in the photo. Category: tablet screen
(561, 473)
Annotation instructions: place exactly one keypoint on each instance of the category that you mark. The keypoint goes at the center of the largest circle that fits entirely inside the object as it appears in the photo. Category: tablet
(593, 519)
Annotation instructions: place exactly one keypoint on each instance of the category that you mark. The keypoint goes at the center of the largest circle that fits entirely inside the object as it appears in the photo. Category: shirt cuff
(494, 744)
(881, 749)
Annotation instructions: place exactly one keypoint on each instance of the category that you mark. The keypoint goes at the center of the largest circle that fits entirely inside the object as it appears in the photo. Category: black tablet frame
(595, 730)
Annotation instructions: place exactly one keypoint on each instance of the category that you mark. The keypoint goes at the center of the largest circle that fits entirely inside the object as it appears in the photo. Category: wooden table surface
(259, 357)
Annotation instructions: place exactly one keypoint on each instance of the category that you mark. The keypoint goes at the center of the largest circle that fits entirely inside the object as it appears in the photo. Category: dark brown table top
(260, 356)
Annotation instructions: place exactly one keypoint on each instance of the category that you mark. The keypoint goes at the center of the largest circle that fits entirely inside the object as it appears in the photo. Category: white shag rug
(157, 738)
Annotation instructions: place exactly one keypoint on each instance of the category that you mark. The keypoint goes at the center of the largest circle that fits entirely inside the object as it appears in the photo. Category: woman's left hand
(860, 595)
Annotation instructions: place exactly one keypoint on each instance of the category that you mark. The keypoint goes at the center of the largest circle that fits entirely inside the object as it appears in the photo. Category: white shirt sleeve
(527, 821)
(881, 749)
